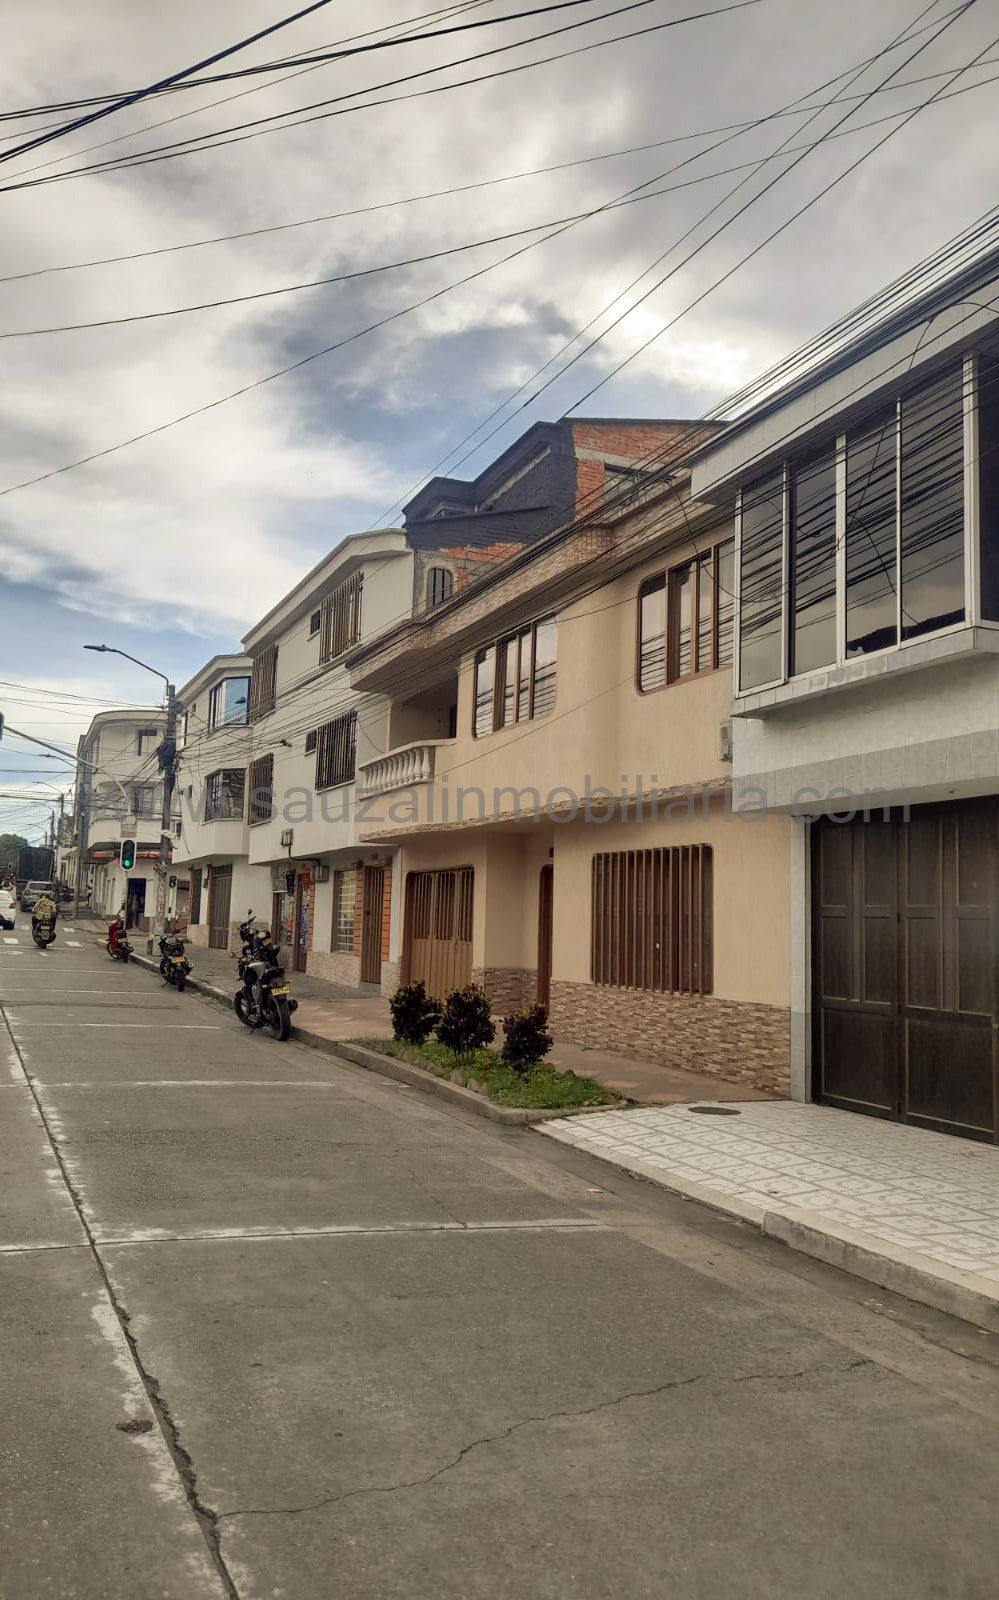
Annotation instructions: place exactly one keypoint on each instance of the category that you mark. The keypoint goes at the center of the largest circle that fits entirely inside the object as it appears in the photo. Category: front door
(371, 924)
(219, 902)
(545, 908)
(136, 903)
(438, 945)
(301, 929)
(904, 967)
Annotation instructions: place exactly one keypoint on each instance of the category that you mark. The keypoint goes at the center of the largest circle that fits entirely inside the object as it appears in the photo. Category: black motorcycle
(262, 1000)
(43, 930)
(174, 965)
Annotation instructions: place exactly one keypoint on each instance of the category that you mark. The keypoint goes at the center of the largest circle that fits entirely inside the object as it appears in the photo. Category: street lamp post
(168, 766)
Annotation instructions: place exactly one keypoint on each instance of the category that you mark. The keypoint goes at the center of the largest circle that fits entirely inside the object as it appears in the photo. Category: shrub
(415, 1014)
(526, 1038)
(466, 1024)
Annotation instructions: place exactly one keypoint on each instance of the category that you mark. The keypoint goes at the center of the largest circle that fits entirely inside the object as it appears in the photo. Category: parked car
(8, 905)
(33, 891)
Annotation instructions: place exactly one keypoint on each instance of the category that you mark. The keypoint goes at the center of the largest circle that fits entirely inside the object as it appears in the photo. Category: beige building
(575, 842)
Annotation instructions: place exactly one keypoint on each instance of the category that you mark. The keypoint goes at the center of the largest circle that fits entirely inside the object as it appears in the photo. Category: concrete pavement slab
(469, 1416)
(35, 1207)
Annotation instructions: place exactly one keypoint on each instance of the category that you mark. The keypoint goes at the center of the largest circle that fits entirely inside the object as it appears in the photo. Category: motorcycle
(118, 946)
(174, 965)
(263, 999)
(43, 930)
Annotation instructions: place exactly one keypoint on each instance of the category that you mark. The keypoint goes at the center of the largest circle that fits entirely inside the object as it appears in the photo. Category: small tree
(526, 1038)
(466, 1024)
(415, 1014)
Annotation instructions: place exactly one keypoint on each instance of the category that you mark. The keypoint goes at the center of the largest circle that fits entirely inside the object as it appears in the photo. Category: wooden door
(300, 932)
(372, 911)
(219, 902)
(545, 909)
(438, 946)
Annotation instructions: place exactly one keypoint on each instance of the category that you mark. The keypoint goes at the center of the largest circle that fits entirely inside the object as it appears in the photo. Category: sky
(171, 547)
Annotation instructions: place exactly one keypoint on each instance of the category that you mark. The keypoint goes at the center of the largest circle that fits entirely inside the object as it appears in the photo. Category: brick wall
(507, 989)
(386, 912)
(728, 1039)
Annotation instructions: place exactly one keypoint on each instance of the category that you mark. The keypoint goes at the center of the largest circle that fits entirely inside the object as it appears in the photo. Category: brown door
(371, 924)
(219, 901)
(301, 929)
(904, 967)
(438, 945)
(545, 906)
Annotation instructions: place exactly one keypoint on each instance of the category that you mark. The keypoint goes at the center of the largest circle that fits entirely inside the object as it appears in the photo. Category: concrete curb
(864, 1255)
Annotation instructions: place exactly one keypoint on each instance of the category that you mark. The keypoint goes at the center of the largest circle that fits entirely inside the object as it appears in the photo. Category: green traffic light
(128, 854)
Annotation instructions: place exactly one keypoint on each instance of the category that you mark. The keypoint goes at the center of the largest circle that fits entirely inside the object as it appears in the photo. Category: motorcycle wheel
(279, 1019)
(240, 1007)
(164, 971)
(181, 980)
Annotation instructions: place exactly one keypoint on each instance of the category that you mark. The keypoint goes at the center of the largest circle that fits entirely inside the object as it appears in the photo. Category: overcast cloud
(170, 548)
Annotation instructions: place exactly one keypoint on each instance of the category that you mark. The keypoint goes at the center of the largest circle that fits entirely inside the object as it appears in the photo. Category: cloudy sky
(172, 546)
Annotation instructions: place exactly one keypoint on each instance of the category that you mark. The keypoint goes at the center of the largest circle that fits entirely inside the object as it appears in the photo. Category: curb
(902, 1272)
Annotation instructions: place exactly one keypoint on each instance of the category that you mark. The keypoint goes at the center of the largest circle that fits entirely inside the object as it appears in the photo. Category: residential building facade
(119, 797)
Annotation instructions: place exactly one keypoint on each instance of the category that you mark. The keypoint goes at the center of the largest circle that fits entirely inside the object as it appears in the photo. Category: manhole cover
(715, 1111)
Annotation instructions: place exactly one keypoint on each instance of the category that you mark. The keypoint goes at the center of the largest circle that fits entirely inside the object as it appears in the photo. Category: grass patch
(542, 1088)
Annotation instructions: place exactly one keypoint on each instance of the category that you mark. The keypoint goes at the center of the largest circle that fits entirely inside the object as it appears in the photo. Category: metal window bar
(263, 683)
(262, 789)
(225, 795)
(651, 919)
(340, 623)
(336, 751)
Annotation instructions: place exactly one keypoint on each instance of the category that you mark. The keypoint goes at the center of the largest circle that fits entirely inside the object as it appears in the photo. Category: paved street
(272, 1326)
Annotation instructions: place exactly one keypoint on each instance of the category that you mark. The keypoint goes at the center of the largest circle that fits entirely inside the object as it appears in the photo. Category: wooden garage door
(904, 967)
(439, 929)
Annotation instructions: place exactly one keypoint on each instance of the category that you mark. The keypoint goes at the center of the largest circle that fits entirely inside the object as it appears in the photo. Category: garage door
(439, 929)
(904, 967)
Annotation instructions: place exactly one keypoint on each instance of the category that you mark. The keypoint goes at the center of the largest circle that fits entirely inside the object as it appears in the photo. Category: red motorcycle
(118, 946)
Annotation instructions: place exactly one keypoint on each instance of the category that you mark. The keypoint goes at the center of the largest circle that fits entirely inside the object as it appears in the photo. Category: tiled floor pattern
(925, 1192)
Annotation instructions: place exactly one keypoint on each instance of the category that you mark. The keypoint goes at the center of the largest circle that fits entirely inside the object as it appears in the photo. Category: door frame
(546, 926)
(372, 924)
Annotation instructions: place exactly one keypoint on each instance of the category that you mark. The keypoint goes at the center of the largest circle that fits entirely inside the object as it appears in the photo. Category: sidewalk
(913, 1211)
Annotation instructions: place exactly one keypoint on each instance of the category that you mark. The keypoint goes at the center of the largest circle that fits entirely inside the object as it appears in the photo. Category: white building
(119, 796)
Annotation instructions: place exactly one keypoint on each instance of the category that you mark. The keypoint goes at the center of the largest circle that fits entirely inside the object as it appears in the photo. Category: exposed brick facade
(728, 1039)
(507, 989)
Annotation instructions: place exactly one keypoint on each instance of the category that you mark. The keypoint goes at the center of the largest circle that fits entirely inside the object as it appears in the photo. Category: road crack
(538, 1421)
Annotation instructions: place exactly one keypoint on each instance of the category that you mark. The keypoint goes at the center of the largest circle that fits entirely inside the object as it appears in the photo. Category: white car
(7, 908)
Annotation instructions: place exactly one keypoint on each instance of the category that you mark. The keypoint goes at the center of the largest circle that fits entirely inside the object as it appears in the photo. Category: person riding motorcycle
(43, 910)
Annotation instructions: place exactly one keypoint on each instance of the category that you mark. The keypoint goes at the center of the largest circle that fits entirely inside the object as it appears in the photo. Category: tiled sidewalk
(926, 1201)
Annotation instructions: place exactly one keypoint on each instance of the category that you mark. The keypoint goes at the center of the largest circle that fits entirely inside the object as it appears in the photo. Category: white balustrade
(399, 769)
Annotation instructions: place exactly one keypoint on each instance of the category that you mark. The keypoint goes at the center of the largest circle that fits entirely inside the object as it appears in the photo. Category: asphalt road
(273, 1327)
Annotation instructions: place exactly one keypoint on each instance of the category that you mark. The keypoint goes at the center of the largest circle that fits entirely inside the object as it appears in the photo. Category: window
(315, 622)
(224, 795)
(651, 919)
(813, 563)
(310, 741)
(344, 907)
(871, 574)
(515, 679)
(987, 391)
(761, 581)
(263, 683)
(931, 505)
(147, 740)
(686, 619)
(336, 751)
(228, 703)
(143, 800)
(340, 618)
(262, 789)
(440, 586)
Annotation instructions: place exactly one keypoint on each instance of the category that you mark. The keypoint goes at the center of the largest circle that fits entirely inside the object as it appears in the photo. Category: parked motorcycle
(262, 1000)
(118, 946)
(43, 929)
(174, 965)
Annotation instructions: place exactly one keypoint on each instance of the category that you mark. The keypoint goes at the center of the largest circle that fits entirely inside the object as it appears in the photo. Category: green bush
(415, 1014)
(526, 1038)
(466, 1024)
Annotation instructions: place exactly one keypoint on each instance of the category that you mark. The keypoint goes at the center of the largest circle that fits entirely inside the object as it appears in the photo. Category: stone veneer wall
(730, 1039)
(335, 966)
(507, 989)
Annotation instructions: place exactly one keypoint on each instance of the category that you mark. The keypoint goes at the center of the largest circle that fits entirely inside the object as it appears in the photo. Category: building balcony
(220, 837)
(404, 768)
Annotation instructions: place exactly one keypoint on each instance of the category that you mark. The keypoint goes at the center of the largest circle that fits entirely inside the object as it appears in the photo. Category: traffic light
(128, 854)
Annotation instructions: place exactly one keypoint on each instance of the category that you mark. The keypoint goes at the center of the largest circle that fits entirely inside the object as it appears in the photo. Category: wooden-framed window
(651, 919)
(340, 618)
(225, 795)
(440, 586)
(686, 618)
(336, 751)
(263, 683)
(344, 910)
(311, 740)
(261, 789)
(515, 679)
(147, 739)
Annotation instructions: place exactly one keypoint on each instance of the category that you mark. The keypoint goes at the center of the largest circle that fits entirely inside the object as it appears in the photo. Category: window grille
(651, 919)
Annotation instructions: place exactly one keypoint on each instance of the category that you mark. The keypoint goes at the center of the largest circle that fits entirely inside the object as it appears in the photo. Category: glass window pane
(725, 600)
(870, 538)
(484, 677)
(652, 635)
(932, 506)
(524, 681)
(545, 653)
(508, 652)
(681, 657)
(705, 614)
(813, 564)
(762, 582)
(988, 479)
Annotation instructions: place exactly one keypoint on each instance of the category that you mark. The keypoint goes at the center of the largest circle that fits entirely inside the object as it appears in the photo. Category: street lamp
(168, 765)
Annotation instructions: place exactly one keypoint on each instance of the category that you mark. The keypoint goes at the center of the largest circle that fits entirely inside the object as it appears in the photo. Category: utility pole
(82, 828)
(168, 766)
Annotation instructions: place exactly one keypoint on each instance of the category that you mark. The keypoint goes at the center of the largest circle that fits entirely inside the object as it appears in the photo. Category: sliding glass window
(931, 500)
(762, 582)
(871, 532)
(813, 563)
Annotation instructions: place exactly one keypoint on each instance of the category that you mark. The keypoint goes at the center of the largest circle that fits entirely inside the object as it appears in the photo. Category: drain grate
(715, 1111)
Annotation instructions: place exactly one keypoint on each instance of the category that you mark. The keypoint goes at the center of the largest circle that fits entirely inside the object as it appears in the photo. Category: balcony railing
(400, 769)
